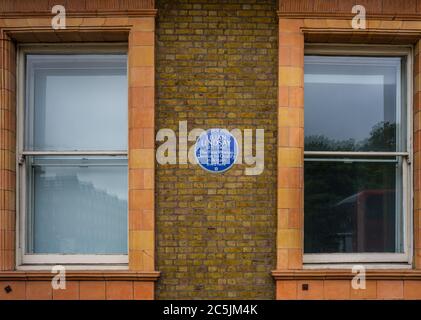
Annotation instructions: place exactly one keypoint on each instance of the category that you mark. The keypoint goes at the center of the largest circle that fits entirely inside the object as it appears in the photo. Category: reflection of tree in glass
(382, 138)
(329, 183)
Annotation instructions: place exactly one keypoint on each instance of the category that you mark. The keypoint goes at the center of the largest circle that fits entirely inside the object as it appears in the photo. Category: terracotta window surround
(137, 28)
(297, 27)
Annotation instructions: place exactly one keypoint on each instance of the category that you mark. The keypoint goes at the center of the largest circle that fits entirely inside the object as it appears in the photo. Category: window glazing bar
(80, 165)
(74, 153)
(356, 154)
(349, 160)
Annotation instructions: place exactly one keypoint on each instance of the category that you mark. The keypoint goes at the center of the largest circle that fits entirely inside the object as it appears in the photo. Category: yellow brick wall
(217, 67)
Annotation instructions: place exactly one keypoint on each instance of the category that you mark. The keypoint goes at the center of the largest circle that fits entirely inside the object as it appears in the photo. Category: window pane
(353, 104)
(352, 207)
(76, 102)
(77, 205)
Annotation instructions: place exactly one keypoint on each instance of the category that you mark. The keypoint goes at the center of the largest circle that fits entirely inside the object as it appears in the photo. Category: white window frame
(26, 261)
(375, 260)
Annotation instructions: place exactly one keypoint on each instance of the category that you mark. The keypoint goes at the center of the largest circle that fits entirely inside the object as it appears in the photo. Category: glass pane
(353, 104)
(77, 205)
(76, 102)
(352, 207)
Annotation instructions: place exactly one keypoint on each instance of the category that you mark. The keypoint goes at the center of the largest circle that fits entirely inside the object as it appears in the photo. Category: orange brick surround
(336, 285)
(79, 285)
(90, 21)
(307, 21)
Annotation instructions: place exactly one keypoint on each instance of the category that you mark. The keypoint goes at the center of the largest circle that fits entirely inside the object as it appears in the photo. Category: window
(357, 157)
(73, 157)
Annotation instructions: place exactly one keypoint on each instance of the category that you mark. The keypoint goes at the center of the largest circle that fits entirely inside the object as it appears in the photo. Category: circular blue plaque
(216, 150)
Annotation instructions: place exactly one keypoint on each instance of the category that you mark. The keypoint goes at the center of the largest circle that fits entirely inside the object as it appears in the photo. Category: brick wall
(217, 67)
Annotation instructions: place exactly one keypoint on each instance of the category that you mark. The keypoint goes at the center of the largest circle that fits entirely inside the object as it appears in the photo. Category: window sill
(74, 267)
(346, 274)
(348, 266)
(81, 275)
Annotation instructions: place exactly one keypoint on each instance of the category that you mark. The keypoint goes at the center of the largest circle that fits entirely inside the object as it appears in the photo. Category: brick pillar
(141, 145)
(7, 152)
(417, 155)
(290, 145)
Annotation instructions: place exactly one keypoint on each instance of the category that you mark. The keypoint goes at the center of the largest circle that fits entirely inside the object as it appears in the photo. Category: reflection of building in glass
(363, 222)
(367, 220)
(72, 216)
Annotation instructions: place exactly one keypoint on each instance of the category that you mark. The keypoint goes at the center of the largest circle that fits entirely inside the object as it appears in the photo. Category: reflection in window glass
(351, 103)
(79, 206)
(350, 207)
(76, 203)
(353, 202)
(76, 102)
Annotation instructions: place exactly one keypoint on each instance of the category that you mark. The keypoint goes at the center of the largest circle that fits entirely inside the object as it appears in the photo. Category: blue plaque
(216, 150)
